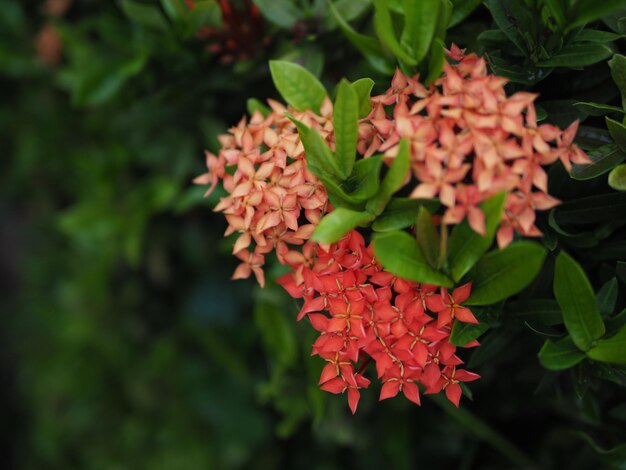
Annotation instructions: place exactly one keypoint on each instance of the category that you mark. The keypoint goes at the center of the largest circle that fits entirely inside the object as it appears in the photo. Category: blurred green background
(124, 343)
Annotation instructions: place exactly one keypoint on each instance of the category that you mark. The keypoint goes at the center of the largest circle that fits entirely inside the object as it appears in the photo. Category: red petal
(389, 390)
(461, 293)
(464, 314)
(465, 376)
(411, 391)
(336, 385)
(328, 373)
(353, 399)
(453, 392)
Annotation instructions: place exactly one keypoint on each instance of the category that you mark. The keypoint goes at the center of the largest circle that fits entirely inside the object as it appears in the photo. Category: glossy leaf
(401, 213)
(420, 21)
(560, 355)
(577, 55)
(364, 182)
(340, 221)
(542, 311)
(320, 160)
(368, 46)
(346, 126)
(283, 13)
(606, 298)
(462, 9)
(466, 246)
(146, 15)
(436, 61)
(503, 273)
(511, 16)
(594, 35)
(611, 350)
(597, 109)
(385, 31)
(363, 89)
(463, 333)
(586, 11)
(575, 296)
(297, 85)
(394, 179)
(603, 160)
(428, 237)
(618, 72)
(400, 254)
(254, 105)
(618, 132)
(592, 209)
(277, 331)
(617, 178)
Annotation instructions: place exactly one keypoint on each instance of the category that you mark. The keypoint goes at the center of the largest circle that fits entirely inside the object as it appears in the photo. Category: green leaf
(577, 301)
(603, 160)
(146, 15)
(463, 333)
(319, 158)
(462, 9)
(364, 182)
(368, 46)
(400, 254)
(606, 298)
(577, 55)
(586, 11)
(436, 61)
(560, 355)
(420, 21)
(401, 213)
(340, 221)
(503, 273)
(283, 13)
(363, 89)
(618, 72)
(511, 16)
(592, 209)
(557, 11)
(597, 109)
(466, 246)
(346, 125)
(594, 35)
(618, 132)
(617, 178)
(615, 457)
(611, 350)
(543, 311)
(385, 31)
(277, 331)
(254, 105)
(393, 180)
(297, 85)
(428, 237)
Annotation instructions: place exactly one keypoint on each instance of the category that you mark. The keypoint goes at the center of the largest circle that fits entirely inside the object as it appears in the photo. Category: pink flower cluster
(263, 168)
(365, 313)
(469, 141)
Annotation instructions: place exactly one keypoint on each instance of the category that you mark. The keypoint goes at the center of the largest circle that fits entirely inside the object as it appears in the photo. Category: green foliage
(466, 247)
(503, 273)
(559, 355)
(400, 254)
(345, 119)
(297, 85)
(578, 304)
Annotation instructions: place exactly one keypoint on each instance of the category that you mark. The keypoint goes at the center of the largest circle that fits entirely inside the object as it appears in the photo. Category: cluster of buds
(468, 141)
(274, 202)
(364, 313)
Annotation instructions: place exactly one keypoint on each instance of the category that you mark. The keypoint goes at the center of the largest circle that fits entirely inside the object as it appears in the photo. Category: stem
(484, 432)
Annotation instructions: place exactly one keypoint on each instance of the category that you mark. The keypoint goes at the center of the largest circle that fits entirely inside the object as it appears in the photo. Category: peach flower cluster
(468, 141)
(273, 201)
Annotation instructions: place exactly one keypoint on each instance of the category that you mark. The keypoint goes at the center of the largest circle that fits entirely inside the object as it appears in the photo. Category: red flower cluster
(364, 313)
(469, 140)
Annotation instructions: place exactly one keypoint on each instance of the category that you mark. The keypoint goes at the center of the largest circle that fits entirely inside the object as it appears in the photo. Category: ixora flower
(467, 140)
